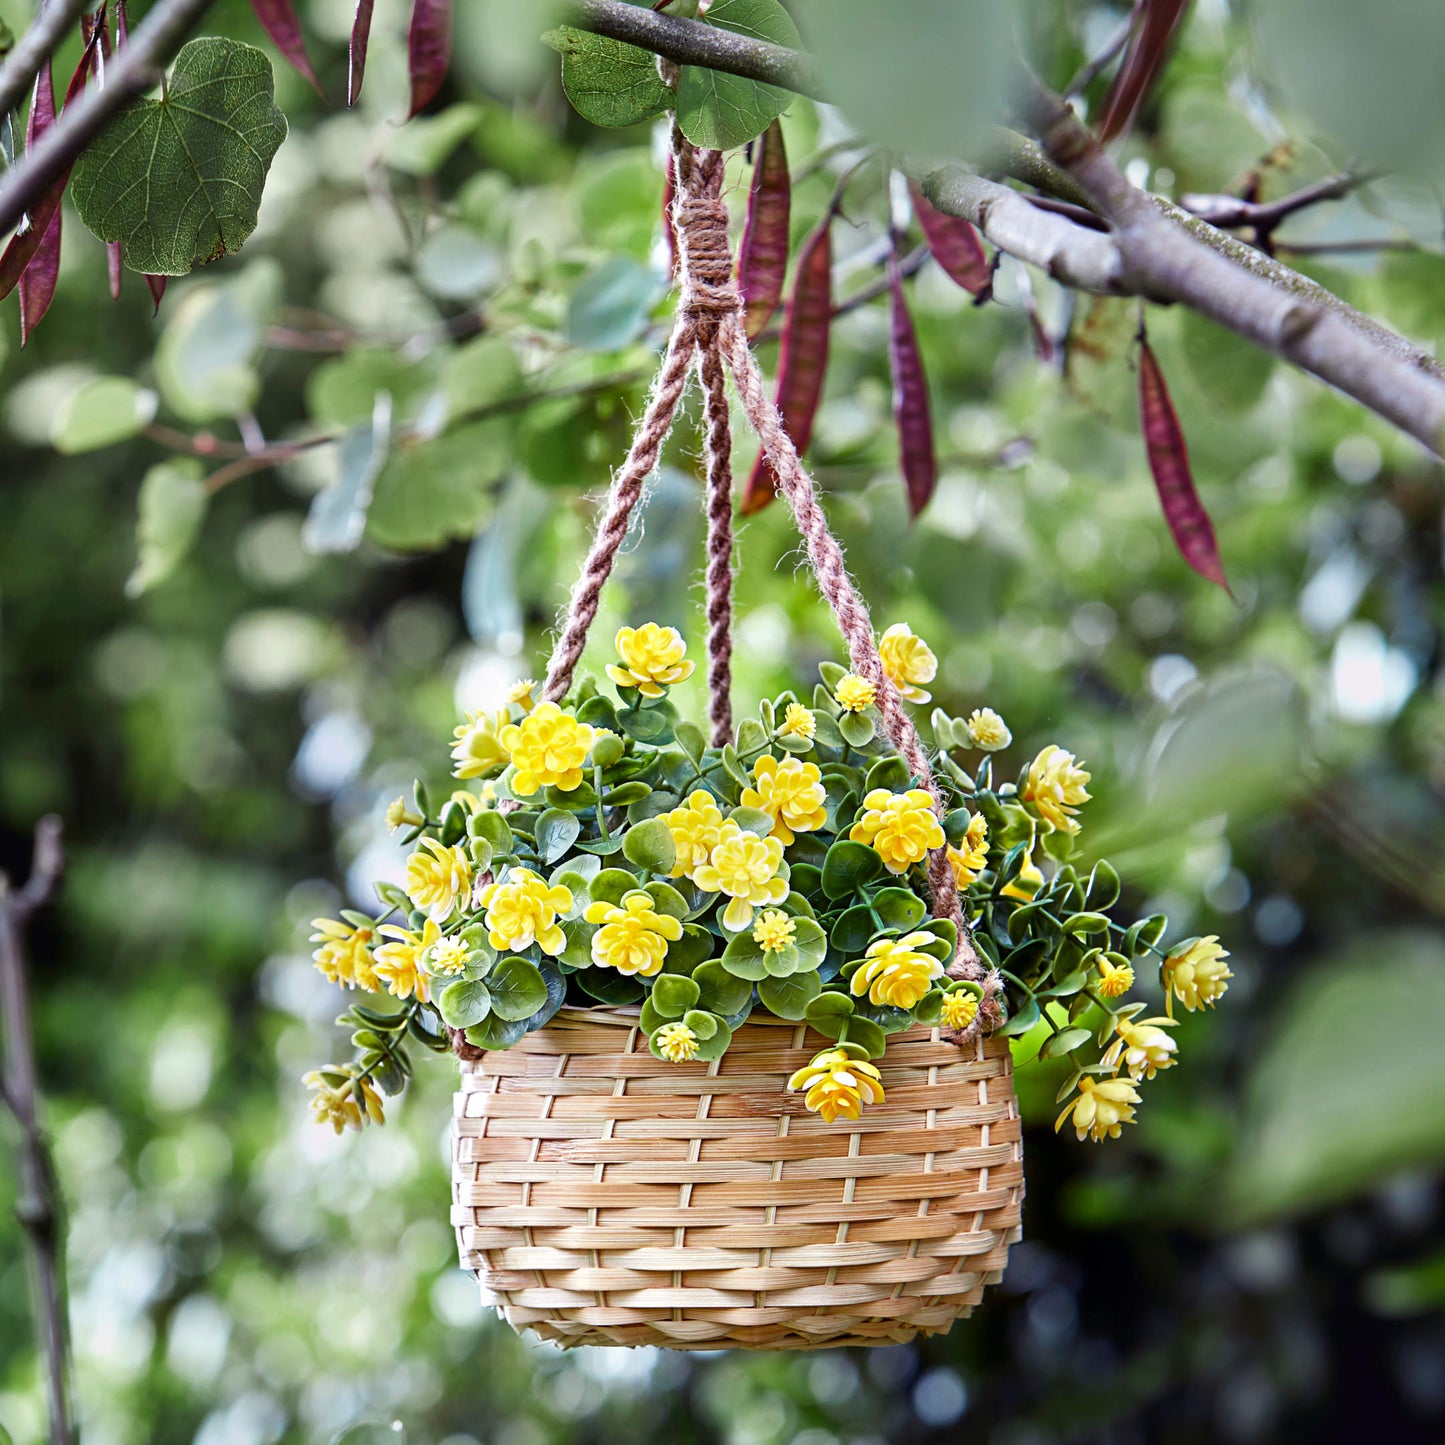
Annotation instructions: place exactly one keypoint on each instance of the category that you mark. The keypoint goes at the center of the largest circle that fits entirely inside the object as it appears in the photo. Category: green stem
(601, 811)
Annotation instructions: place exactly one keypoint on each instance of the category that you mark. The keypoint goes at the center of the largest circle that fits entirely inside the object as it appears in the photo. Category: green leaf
(691, 741)
(695, 945)
(337, 517)
(789, 997)
(177, 181)
(667, 900)
(611, 304)
(434, 490)
(716, 1046)
(171, 506)
(854, 929)
(848, 867)
(464, 1003)
(495, 1032)
(891, 774)
(701, 1022)
(608, 81)
(649, 845)
(611, 884)
(856, 729)
(106, 410)
(722, 111)
(556, 833)
(608, 986)
(743, 958)
(1022, 1021)
(1103, 890)
(899, 908)
(490, 825)
(517, 987)
(1065, 1042)
(673, 995)
(720, 991)
(753, 820)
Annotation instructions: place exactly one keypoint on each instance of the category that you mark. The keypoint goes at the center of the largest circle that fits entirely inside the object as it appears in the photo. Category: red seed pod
(763, 255)
(360, 39)
(1142, 63)
(802, 357)
(954, 243)
(37, 284)
(428, 50)
(1189, 523)
(122, 23)
(278, 19)
(669, 232)
(98, 22)
(910, 396)
(25, 244)
(157, 287)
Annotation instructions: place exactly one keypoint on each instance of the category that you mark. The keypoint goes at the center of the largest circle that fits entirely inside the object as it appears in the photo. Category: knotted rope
(710, 323)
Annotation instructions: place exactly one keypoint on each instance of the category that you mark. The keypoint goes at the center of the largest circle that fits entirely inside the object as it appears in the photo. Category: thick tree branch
(689, 43)
(34, 48)
(1165, 262)
(36, 1206)
(132, 72)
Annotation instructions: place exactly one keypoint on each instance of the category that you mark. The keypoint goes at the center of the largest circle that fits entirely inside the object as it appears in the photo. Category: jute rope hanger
(709, 324)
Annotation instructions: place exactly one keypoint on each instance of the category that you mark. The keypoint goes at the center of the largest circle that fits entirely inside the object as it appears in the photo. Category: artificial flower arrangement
(611, 857)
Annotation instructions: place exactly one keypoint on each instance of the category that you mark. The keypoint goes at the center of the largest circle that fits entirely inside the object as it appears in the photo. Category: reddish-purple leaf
(802, 357)
(37, 283)
(763, 255)
(428, 50)
(669, 194)
(157, 288)
(1169, 461)
(910, 397)
(1142, 63)
(278, 19)
(360, 39)
(954, 244)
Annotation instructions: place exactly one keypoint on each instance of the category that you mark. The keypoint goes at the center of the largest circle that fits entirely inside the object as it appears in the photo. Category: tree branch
(34, 48)
(133, 71)
(689, 43)
(36, 1208)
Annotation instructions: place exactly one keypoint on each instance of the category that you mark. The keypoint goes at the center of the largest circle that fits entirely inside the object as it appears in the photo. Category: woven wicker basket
(605, 1197)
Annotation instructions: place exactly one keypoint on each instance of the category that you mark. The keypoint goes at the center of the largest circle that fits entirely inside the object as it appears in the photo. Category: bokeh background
(1261, 1258)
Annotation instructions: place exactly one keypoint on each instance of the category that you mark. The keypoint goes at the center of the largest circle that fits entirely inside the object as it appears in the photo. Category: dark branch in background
(689, 43)
(34, 48)
(1091, 71)
(133, 71)
(1230, 213)
(37, 1206)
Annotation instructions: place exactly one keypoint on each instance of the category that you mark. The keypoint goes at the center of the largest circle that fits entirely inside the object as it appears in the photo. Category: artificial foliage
(606, 855)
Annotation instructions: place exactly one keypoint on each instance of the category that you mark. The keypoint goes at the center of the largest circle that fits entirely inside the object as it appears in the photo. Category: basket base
(604, 1197)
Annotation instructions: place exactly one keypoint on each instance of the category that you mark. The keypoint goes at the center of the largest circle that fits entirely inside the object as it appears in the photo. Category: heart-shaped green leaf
(177, 181)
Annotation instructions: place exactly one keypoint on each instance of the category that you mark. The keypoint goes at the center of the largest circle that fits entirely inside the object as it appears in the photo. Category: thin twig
(1090, 72)
(1230, 213)
(134, 70)
(34, 48)
(38, 1206)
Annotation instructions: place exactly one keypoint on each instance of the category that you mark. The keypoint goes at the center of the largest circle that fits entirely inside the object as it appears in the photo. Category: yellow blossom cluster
(523, 910)
(749, 869)
(895, 973)
(774, 930)
(907, 661)
(695, 825)
(438, 878)
(791, 793)
(652, 659)
(971, 859)
(854, 693)
(476, 747)
(987, 731)
(398, 961)
(798, 722)
(959, 1009)
(347, 1104)
(1056, 787)
(676, 1042)
(1115, 979)
(900, 827)
(836, 1083)
(1101, 1108)
(1195, 972)
(633, 938)
(345, 955)
(547, 749)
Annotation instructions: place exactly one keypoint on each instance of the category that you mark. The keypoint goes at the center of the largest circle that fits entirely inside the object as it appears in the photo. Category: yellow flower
(987, 730)
(907, 661)
(747, 868)
(438, 878)
(895, 973)
(1142, 1047)
(1056, 787)
(774, 930)
(1027, 881)
(447, 956)
(345, 954)
(652, 659)
(523, 911)
(398, 815)
(1102, 1107)
(547, 748)
(1115, 979)
(676, 1042)
(837, 1084)
(477, 748)
(798, 722)
(336, 1104)
(854, 693)
(901, 827)
(695, 825)
(633, 938)
(791, 793)
(398, 963)
(970, 860)
(1196, 974)
(521, 692)
(959, 1009)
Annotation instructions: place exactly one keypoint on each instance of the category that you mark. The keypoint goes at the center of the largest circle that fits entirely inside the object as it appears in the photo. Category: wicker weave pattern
(605, 1197)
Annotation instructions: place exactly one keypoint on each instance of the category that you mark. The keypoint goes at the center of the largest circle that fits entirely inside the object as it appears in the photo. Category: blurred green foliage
(1253, 1260)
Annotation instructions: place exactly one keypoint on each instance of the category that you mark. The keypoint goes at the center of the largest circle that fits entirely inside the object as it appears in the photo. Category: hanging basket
(605, 1197)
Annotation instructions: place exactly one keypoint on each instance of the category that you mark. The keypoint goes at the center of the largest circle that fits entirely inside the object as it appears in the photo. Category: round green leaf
(673, 995)
(789, 997)
(517, 988)
(720, 991)
(608, 81)
(722, 111)
(556, 833)
(106, 410)
(848, 867)
(464, 1003)
(649, 845)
